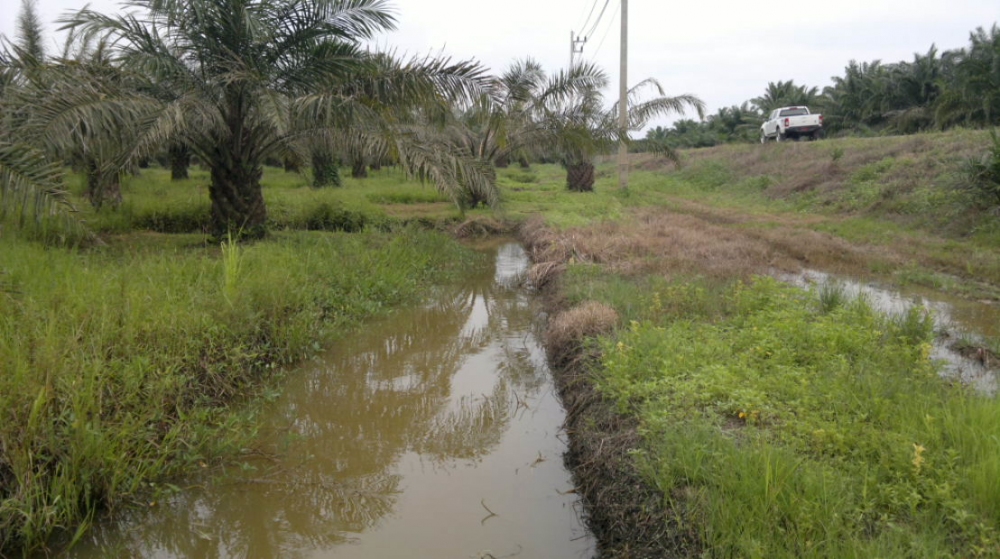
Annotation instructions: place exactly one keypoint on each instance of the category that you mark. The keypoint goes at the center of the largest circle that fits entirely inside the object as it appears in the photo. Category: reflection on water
(432, 434)
(953, 318)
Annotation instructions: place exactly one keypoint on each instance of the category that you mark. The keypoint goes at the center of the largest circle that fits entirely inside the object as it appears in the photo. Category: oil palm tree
(579, 126)
(509, 122)
(501, 125)
(974, 97)
(249, 78)
(783, 94)
(857, 99)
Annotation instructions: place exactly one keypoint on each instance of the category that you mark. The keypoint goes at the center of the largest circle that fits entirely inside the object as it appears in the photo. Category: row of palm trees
(936, 90)
(240, 82)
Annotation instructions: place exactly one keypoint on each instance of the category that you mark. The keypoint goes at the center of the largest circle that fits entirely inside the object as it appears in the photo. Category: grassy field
(770, 422)
(775, 422)
(153, 202)
(145, 355)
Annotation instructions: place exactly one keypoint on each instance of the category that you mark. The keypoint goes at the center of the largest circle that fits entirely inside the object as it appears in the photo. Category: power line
(599, 17)
(586, 21)
(606, 31)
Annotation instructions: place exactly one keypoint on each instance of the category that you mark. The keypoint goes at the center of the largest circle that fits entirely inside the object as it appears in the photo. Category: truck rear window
(794, 112)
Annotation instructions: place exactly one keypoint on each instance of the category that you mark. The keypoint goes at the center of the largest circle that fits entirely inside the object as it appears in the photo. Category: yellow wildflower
(918, 457)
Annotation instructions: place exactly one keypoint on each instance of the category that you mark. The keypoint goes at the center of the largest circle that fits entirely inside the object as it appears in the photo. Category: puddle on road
(434, 433)
(954, 319)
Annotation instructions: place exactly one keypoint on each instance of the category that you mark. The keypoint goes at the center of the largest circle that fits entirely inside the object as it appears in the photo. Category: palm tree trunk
(103, 187)
(580, 177)
(237, 200)
(325, 170)
(291, 164)
(359, 169)
(180, 160)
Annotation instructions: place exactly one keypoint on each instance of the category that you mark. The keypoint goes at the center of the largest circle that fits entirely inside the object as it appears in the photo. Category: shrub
(982, 174)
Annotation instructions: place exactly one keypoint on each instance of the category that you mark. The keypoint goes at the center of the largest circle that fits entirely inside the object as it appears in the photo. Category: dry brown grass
(700, 238)
(706, 244)
(568, 330)
(628, 516)
(545, 244)
(544, 274)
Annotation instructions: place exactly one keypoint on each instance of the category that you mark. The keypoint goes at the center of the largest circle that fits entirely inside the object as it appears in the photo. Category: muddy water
(954, 319)
(435, 433)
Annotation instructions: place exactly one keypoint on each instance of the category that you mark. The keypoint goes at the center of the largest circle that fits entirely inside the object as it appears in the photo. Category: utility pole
(623, 103)
(575, 47)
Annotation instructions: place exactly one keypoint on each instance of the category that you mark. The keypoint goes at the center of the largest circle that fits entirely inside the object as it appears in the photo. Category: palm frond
(30, 184)
(640, 114)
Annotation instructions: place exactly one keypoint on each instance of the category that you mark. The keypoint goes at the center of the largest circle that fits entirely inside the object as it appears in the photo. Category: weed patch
(130, 363)
(802, 425)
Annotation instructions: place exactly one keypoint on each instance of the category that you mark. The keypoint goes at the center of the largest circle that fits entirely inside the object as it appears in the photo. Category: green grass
(790, 424)
(781, 423)
(155, 203)
(134, 362)
(915, 181)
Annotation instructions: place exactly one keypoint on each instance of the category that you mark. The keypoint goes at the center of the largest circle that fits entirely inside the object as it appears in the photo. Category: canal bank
(719, 414)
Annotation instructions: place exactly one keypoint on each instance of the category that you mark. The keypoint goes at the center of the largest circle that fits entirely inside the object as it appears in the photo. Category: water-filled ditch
(433, 433)
(957, 323)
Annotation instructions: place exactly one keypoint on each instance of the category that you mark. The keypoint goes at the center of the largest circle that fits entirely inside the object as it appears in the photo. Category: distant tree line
(935, 91)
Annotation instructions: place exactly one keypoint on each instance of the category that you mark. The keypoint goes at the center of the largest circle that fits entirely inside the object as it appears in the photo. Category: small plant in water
(831, 296)
(916, 325)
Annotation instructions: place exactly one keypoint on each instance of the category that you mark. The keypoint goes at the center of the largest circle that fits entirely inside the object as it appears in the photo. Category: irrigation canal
(433, 433)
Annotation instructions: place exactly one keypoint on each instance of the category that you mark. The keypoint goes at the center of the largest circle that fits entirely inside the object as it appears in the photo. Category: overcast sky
(724, 51)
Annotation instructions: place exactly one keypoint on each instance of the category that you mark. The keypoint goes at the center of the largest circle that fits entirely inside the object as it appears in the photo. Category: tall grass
(784, 426)
(121, 366)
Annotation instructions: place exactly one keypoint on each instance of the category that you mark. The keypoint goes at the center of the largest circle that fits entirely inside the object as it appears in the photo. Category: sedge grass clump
(127, 364)
(786, 429)
(832, 295)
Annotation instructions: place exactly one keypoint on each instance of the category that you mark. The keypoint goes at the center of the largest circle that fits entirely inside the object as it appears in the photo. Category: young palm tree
(579, 126)
(501, 126)
(248, 78)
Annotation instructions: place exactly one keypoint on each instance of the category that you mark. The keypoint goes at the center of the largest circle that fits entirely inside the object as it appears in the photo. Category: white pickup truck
(791, 123)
